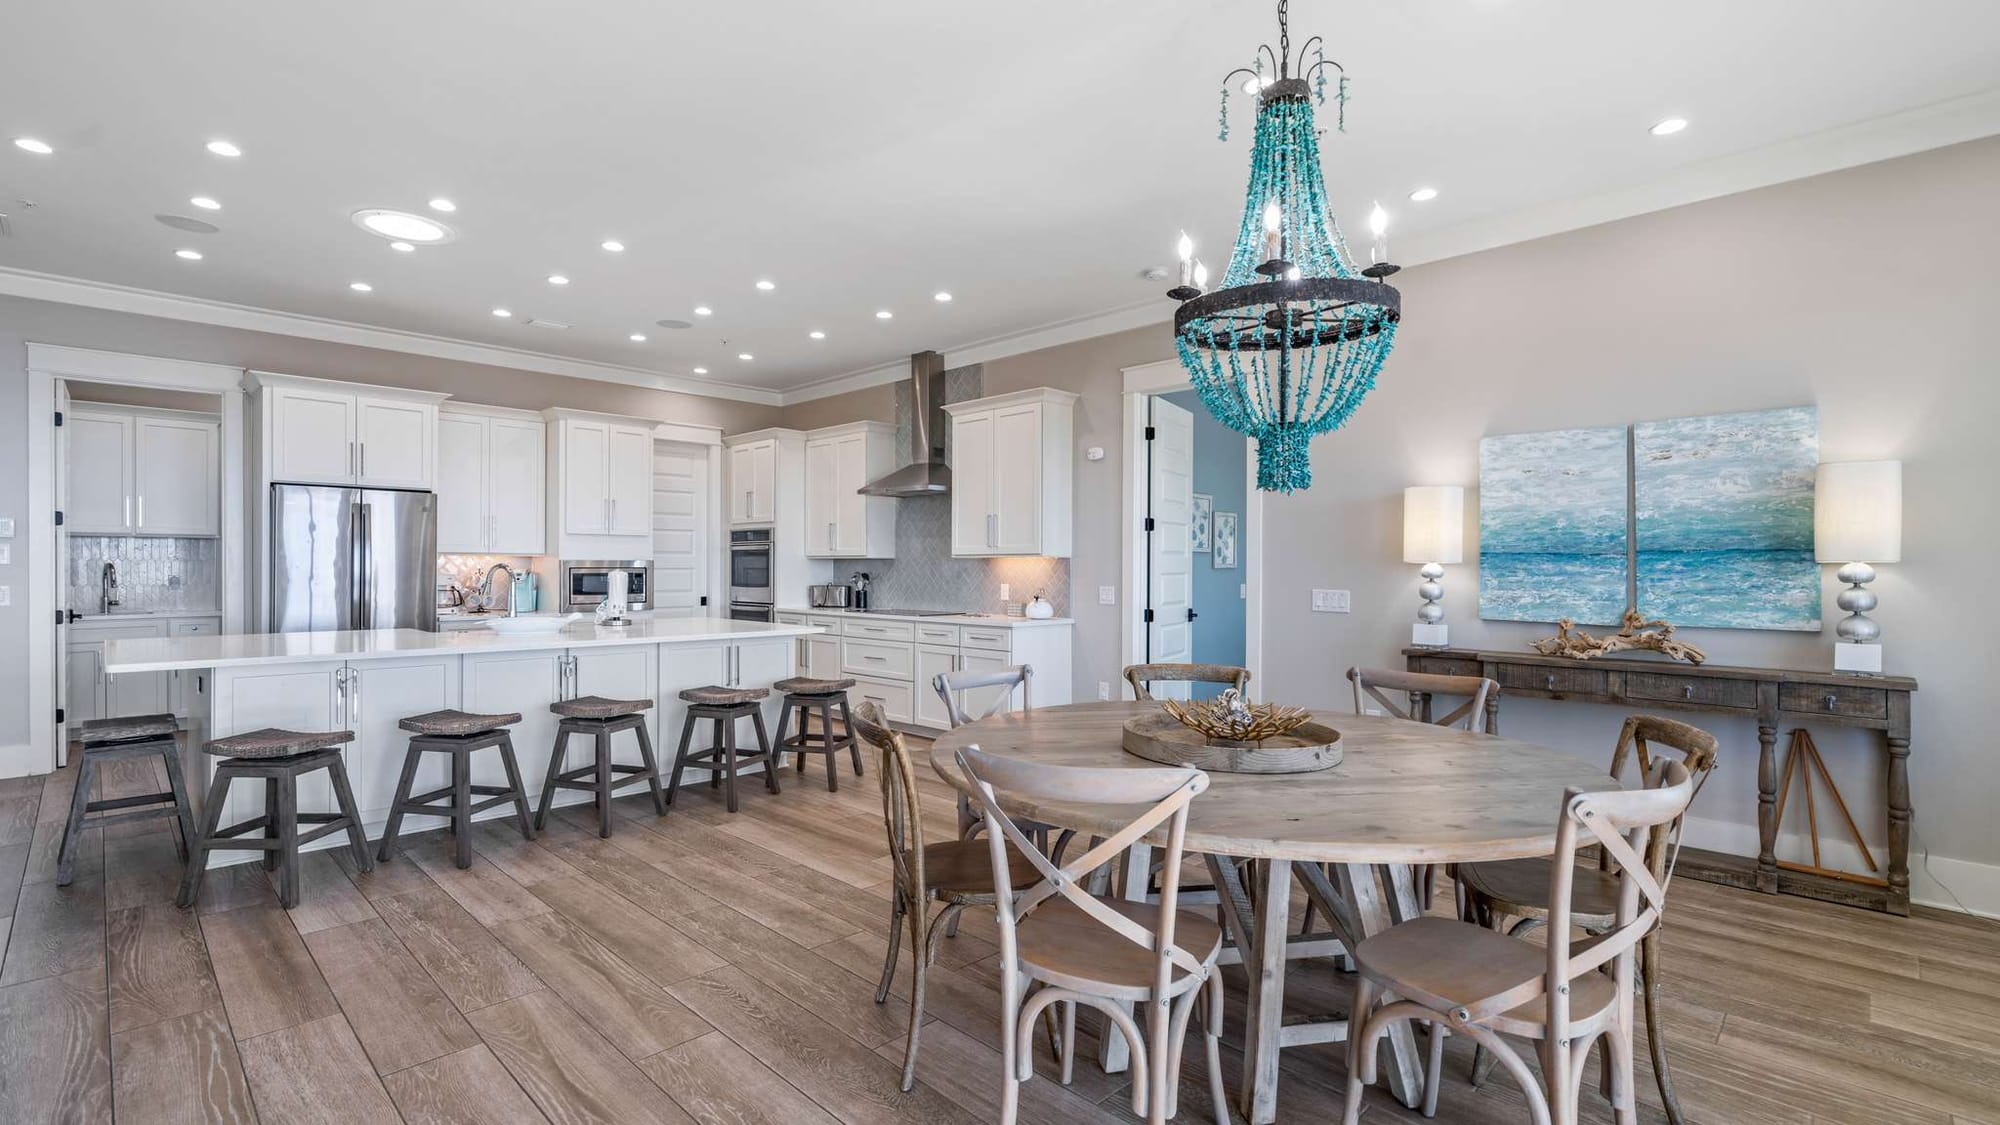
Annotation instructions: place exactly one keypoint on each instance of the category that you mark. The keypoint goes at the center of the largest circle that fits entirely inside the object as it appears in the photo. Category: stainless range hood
(926, 474)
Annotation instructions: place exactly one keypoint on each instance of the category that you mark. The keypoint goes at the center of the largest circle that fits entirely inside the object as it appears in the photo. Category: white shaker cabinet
(602, 483)
(136, 471)
(840, 523)
(320, 431)
(490, 481)
(753, 481)
(1012, 477)
(100, 473)
(395, 442)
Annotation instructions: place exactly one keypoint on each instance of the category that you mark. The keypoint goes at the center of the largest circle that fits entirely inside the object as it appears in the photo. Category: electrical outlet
(1103, 690)
(1107, 595)
(1006, 592)
(1332, 601)
(1375, 711)
(1243, 589)
(6, 595)
(6, 553)
(6, 527)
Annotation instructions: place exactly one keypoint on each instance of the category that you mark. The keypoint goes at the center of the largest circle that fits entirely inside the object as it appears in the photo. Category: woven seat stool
(806, 696)
(457, 733)
(600, 718)
(278, 758)
(109, 740)
(724, 706)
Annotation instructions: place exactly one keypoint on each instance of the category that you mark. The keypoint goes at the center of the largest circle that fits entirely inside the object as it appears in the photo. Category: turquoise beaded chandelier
(1291, 341)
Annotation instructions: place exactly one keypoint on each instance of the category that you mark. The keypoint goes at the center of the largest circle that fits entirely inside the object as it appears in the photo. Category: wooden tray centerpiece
(1230, 736)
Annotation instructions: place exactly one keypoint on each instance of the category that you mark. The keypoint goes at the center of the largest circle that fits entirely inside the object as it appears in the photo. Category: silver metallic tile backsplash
(153, 574)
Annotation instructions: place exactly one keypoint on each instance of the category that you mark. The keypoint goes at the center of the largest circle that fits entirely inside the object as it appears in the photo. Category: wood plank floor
(721, 968)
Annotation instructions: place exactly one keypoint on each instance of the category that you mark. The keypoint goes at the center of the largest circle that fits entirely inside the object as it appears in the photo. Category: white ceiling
(1030, 156)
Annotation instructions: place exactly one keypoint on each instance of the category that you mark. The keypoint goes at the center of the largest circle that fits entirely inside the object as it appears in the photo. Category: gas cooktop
(911, 612)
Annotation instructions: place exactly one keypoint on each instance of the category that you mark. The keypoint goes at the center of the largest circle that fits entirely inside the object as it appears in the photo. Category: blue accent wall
(1219, 471)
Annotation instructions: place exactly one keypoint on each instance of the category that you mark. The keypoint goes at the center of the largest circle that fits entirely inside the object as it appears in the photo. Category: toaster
(831, 596)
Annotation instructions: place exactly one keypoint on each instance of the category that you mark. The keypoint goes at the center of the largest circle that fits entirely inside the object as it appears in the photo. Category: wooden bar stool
(723, 706)
(108, 740)
(457, 733)
(280, 758)
(807, 695)
(600, 718)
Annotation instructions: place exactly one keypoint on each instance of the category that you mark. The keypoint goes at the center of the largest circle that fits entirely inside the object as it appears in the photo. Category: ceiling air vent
(537, 322)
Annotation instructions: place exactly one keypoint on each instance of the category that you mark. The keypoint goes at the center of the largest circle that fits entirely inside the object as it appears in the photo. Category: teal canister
(524, 593)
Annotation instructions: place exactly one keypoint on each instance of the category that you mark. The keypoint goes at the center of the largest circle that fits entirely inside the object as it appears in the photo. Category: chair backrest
(902, 816)
(1637, 741)
(1165, 794)
(1139, 675)
(1416, 690)
(952, 686)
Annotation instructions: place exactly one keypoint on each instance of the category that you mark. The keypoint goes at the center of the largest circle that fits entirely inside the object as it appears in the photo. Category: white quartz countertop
(170, 654)
(990, 620)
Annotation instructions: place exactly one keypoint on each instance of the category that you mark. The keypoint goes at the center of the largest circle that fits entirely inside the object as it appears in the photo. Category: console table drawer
(1446, 666)
(1561, 681)
(1692, 689)
(1833, 699)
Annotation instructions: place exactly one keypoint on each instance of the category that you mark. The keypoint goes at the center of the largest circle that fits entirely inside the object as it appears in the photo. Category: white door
(393, 443)
(381, 693)
(1170, 563)
(680, 529)
(100, 473)
(933, 661)
(850, 472)
(586, 448)
(313, 442)
(516, 496)
(1017, 480)
(177, 465)
(822, 499)
(59, 659)
(631, 470)
(496, 683)
(462, 523)
(972, 469)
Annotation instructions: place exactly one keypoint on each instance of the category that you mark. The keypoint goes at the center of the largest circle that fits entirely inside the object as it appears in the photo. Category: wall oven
(586, 581)
(751, 594)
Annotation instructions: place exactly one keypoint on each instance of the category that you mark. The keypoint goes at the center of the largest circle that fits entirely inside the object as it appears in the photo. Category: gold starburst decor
(1227, 718)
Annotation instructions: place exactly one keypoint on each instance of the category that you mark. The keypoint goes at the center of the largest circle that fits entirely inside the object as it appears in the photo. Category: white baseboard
(18, 760)
(1933, 883)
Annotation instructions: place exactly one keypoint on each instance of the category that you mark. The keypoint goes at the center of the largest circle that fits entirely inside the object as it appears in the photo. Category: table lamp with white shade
(1433, 535)
(1857, 522)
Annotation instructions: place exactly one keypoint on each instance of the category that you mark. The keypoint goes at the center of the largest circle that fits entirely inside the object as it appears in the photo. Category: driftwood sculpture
(1637, 633)
(1230, 718)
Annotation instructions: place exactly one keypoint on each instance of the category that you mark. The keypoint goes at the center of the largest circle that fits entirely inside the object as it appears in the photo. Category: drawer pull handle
(1687, 691)
(876, 659)
(1832, 701)
(1552, 681)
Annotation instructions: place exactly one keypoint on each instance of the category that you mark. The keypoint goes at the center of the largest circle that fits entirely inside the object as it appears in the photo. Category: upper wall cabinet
(753, 480)
(316, 431)
(600, 484)
(840, 522)
(1012, 480)
(143, 472)
(491, 481)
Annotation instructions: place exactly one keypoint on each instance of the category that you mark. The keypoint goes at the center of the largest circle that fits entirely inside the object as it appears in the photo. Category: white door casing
(1170, 564)
(58, 658)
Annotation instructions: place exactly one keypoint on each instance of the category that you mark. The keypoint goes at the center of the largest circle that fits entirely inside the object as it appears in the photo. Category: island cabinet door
(626, 672)
(682, 667)
(303, 697)
(759, 664)
(380, 694)
(496, 683)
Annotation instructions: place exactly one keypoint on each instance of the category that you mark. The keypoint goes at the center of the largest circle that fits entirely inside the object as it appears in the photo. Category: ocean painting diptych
(1552, 541)
(1723, 520)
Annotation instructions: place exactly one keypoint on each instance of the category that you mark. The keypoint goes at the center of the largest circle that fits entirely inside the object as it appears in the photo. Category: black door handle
(1192, 614)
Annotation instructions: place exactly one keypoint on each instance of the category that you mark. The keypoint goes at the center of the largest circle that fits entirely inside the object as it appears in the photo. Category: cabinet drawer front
(897, 701)
(938, 635)
(980, 637)
(1446, 666)
(109, 628)
(790, 618)
(1833, 699)
(197, 627)
(1562, 681)
(1691, 689)
(867, 658)
(830, 624)
(879, 630)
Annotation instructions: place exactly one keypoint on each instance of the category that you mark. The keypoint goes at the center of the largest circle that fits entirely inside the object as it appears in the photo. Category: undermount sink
(512, 625)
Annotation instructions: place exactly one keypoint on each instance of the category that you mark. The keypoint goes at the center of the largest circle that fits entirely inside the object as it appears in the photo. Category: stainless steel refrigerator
(352, 558)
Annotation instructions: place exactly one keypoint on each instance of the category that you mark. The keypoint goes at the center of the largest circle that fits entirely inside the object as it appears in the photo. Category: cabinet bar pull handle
(142, 510)
(364, 458)
(126, 519)
(1687, 691)
(1552, 681)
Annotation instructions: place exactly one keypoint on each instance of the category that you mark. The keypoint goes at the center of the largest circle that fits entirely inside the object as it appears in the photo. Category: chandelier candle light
(1292, 341)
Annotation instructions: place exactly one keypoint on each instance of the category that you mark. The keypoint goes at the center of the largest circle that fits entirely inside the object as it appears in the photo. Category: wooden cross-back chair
(1061, 945)
(951, 687)
(1492, 893)
(957, 873)
(1416, 691)
(1565, 997)
(1140, 675)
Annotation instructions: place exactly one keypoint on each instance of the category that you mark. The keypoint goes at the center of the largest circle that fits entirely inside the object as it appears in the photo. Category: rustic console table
(1771, 696)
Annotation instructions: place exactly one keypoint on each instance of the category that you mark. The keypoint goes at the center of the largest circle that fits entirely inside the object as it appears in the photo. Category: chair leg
(357, 836)
(603, 746)
(1358, 1032)
(393, 830)
(764, 745)
(556, 757)
(1656, 1035)
(652, 769)
(919, 975)
(79, 806)
(1159, 1050)
(1211, 1026)
(847, 731)
(285, 826)
(680, 759)
(784, 727)
(271, 830)
(170, 755)
(727, 727)
(461, 809)
(826, 734)
(895, 945)
(715, 754)
(805, 735)
(1010, 1017)
(211, 818)
(513, 768)
(1433, 1069)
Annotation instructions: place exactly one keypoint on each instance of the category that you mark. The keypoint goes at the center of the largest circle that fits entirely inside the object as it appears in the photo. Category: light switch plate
(1006, 591)
(6, 595)
(1103, 690)
(1107, 595)
(6, 553)
(1332, 601)
(6, 527)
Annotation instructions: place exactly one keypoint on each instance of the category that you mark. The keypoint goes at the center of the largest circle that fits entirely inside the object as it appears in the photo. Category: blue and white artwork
(1723, 509)
(1552, 540)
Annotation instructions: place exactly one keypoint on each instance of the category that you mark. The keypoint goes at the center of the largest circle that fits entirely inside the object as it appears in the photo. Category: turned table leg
(1767, 808)
(1899, 824)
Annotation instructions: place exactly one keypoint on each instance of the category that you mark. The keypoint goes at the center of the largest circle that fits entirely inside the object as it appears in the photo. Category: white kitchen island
(368, 680)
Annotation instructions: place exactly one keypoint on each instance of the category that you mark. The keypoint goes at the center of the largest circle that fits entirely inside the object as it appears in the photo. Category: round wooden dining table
(1406, 794)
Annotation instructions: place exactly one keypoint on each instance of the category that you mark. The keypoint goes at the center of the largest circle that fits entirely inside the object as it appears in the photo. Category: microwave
(585, 582)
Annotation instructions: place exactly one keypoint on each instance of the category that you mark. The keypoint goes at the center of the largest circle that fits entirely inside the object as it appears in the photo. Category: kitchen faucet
(108, 584)
(486, 585)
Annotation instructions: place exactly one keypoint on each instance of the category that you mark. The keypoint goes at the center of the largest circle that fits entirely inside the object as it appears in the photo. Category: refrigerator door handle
(364, 567)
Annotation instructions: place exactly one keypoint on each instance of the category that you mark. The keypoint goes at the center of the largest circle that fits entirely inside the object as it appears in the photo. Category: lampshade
(1858, 512)
(1434, 524)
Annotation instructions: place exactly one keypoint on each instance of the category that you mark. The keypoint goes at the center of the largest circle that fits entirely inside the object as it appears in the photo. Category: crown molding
(169, 306)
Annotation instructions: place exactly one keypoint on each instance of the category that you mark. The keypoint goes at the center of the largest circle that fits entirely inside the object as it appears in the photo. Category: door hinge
(1149, 617)
(59, 716)
(1150, 431)
(59, 518)
(1149, 523)
(704, 599)
(59, 418)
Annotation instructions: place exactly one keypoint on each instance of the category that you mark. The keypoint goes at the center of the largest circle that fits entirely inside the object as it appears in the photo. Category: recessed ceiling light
(205, 203)
(558, 279)
(190, 255)
(502, 313)
(30, 144)
(443, 204)
(745, 356)
(613, 245)
(1669, 127)
(401, 225)
(884, 314)
(224, 148)
(702, 310)
(361, 287)
(637, 337)
(402, 246)
(817, 334)
(1423, 195)
(941, 297)
(701, 370)
(766, 284)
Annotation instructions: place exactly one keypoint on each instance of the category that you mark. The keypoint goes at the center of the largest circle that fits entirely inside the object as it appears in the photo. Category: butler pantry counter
(367, 681)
